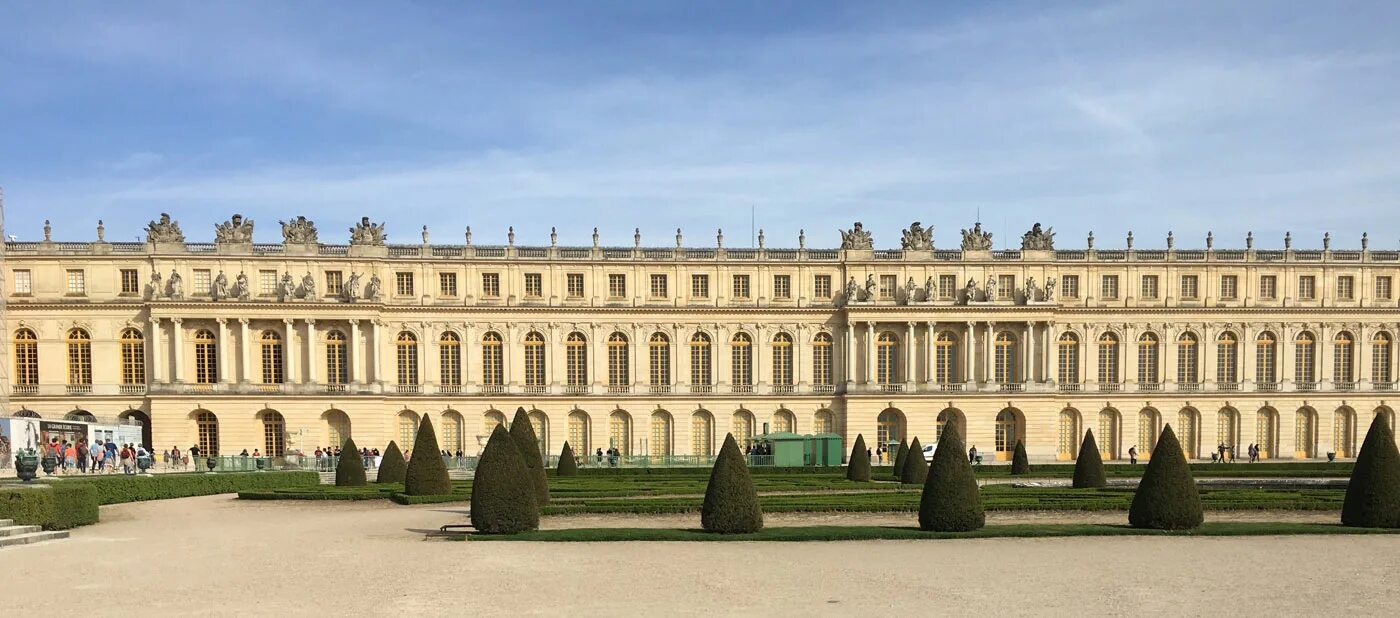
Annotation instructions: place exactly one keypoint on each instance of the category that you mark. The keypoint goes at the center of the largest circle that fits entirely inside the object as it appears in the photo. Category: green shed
(787, 448)
(823, 449)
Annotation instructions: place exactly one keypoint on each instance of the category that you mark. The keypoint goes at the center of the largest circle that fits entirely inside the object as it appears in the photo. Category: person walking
(972, 454)
(1132, 454)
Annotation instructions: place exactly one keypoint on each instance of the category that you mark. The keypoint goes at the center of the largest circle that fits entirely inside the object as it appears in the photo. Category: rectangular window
(782, 286)
(658, 286)
(77, 282)
(1229, 287)
(741, 287)
(490, 285)
(947, 286)
(1149, 287)
(335, 281)
(1190, 287)
(23, 283)
(447, 284)
(1346, 287)
(267, 282)
(403, 284)
(889, 284)
(1006, 287)
(700, 286)
(1382, 288)
(1307, 287)
(1268, 287)
(821, 286)
(1109, 288)
(534, 285)
(617, 286)
(574, 283)
(1069, 285)
(202, 281)
(130, 283)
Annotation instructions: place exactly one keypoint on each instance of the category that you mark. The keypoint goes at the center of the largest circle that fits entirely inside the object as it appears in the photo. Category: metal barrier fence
(328, 463)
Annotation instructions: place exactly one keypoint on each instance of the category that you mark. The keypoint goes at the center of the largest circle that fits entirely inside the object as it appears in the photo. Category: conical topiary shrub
(392, 467)
(858, 468)
(427, 473)
(503, 498)
(525, 440)
(350, 470)
(1166, 497)
(1020, 464)
(567, 465)
(915, 469)
(731, 504)
(951, 501)
(1088, 468)
(899, 455)
(1373, 494)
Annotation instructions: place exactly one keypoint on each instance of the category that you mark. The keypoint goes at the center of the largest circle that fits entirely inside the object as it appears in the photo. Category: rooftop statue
(976, 240)
(917, 238)
(164, 230)
(1038, 239)
(366, 233)
(857, 238)
(235, 230)
(299, 231)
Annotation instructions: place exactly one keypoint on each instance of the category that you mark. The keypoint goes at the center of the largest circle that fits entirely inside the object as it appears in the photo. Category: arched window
(1069, 435)
(945, 358)
(270, 343)
(534, 359)
(274, 433)
(133, 351)
(1108, 359)
(337, 358)
(1380, 359)
(823, 422)
(1149, 357)
(406, 353)
(1006, 435)
(492, 360)
(1227, 358)
(1266, 432)
(700, 373)
(580, 427)
(889, 428)
(1265, 357)
(1343, 353)
(782, 359)
(81, 416)
(1305, 348)
(26, 358)
(660, 434)
(207, 427)
(1305, 434)
(702, 433)
(1110, 436)
(784, 422)
(450, 361)
(742, 356)
(1188, 359)
(206, 358)
(1006, 355)
(27, 414)
(659, 353)
(619, 371)
(1188, 427)
(452, 432)
(1149, 426)
(540, 423)
(1227, 430)
(822, 369)
(1344, 432)
(79, 357)
(491, 420)
(946, 416)
(408, 429)
(620, 432)
(742, 428)
(576, 360)
(887, 359)
(337, 427)
(1067, 359)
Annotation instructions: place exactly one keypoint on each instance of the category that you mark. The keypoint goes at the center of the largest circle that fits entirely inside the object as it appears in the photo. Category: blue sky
(1102, 116)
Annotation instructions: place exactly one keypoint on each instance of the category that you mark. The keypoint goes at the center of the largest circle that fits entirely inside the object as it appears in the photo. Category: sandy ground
(218, 556)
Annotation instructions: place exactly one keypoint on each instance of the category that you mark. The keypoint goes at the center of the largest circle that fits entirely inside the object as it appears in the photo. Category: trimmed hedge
(1020, 463)
(427, 473)
(52, 506)
(915, 470)
(118, 489)
(392, 467)
(524, 435)
(350, 470)
(567, 466)
(503, 494)
(1373, 494)
(731, 503)
(1088, 468)
(951, 501)
(899, 456)
(858, 466)
(405, 499)
(1167, 497)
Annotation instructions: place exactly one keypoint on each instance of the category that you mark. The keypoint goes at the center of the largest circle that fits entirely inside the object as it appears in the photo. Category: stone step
(17, 530)
(6, 522)
(32, 537)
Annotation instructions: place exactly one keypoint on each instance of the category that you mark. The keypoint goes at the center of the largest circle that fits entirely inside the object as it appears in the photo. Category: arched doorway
(1069, 435)
(1227, 431)
(1188, 432)
(206, 426)
(1110, 436)
(1266, 432)
(1305, 433)
(337, 425)
(139, 416)
(620, 431)
(274, 431)
(1149, 427)
(1344, 432)
(889, 429)
(784, 422)
(660, 434)
(954, 416)
(1009, 429)
(580, 427)
(741, 427)
(452, 425)
(702, 433)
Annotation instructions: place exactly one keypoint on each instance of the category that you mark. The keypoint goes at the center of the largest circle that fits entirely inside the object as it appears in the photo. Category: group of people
(613, 454)
(100, 457)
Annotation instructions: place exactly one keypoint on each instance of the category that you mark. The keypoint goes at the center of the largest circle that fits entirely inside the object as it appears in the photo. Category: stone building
(662, 350)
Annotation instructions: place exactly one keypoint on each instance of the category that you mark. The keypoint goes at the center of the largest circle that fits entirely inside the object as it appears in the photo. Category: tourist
(176, 458)
(1222, 452)
(82, 456)
(256, 453)
(111, 456)
(972, 454)
(1132, 454)
(600, 455)
(70, 457)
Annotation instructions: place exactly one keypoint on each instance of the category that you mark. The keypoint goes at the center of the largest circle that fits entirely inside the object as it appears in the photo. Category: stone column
(930, 336)
(989, 358)
(177, 336)
(909, 354)
(244, 353)
(870, 361)
(799, 336)
(1048, 363)
(376, 350)
(357, 375)
(157, 362)
(225, 370)
(969, 350)
(310, 351)
(848, 368)
(291, 370)
(1028, 355)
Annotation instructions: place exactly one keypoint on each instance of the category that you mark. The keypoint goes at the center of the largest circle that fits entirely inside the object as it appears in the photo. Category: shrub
(731, 503)
(350, 472)
(503, 496)
(899, 455)
(118, 489)
(1373, 494)
(1020, 464)
(1088, 468)
(426, 474)
(57, 506)
(858, 467)
(1166, 498)
(915, 470)
(529, 445)
(950, 502)
(567, 465)
(392, 467)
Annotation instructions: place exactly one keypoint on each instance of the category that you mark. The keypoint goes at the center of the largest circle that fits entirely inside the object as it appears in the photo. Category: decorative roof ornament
(1171, 241)
(1090, 240)
(760, 238)
(1210, 240)
(48, 231)
(1249, 240)
(678, 238)
(719, 238)
(101, 231)
(1365, 242)
(975, 239)
(637, 237)
(164, 230)
(510, 235)
(1326, 241)
(236, 230)
(857, 238)
(595, 238)
(298, 231)
(1038, 240)
(917, 238)
(425, 234)
(1130, 239)
(1288, 240)
(366, 233)
(469, 235)
(802, 239)
(553, 236)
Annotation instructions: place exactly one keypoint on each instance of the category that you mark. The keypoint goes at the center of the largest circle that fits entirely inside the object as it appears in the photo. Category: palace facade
(661, 351)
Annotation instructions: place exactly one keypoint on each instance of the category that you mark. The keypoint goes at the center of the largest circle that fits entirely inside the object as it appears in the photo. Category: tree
(567, 465)
(524, 434)
(951, 501)
(858, 468)
(1373, 494)
(1166, 497)
(427, 473)
(350, 471)
(503, 499)
(915, 469)
(392, 467)
(1088, 468)
(731, 503)
(1020, 464)
(899, 456)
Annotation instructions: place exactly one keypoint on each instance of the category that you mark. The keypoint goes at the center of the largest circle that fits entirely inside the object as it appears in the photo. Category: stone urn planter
(50, 463)
(144, 463)
(26, 464)
(211, 463)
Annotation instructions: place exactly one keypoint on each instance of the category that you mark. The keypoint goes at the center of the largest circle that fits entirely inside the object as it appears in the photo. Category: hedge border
(54, 507)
